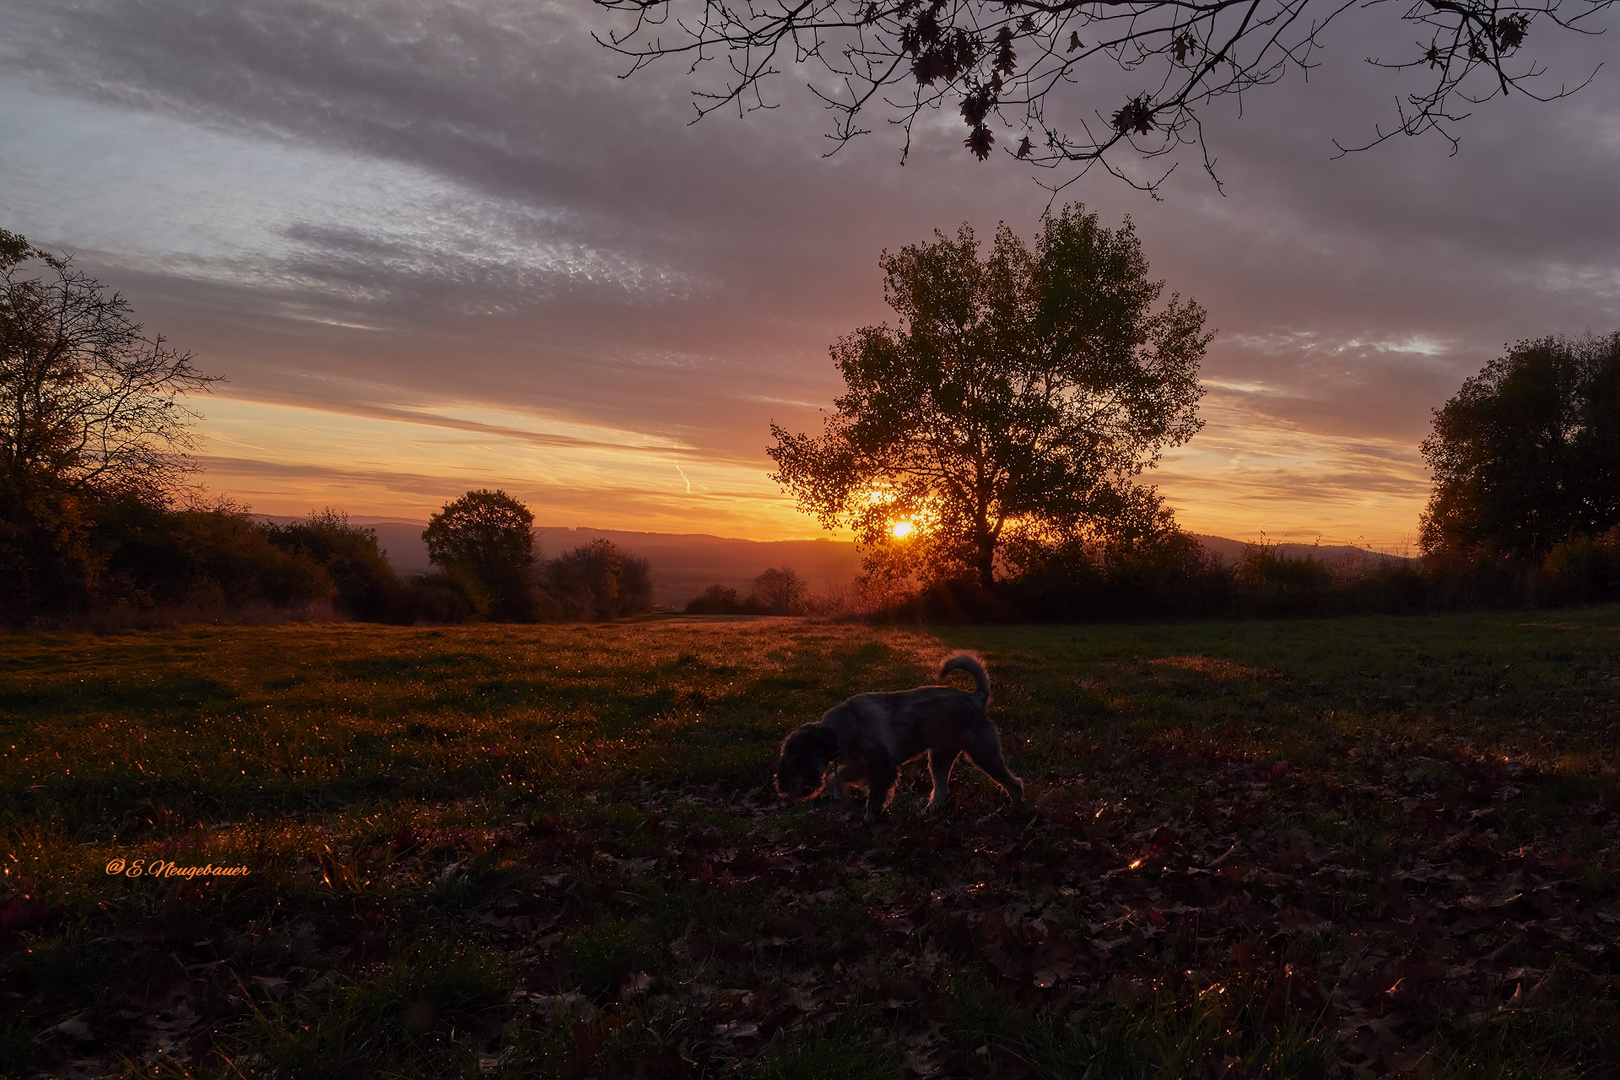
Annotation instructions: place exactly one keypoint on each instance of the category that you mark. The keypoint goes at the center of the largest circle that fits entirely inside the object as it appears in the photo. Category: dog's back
(908, 722)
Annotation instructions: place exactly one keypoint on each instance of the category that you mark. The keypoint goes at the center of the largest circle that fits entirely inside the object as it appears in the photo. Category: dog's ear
(823, 738)
(817, 739)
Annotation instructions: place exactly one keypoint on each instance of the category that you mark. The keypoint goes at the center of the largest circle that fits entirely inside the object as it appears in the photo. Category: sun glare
(901, 529)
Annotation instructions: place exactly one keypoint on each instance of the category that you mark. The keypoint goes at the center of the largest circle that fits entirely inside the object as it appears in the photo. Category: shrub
(214, 561)
(1484, 579)
(1387, 585)
(719, 600)
(598, 581)
(1157, 573)
(1583, 569)
(1270, 583)
(1165, 574)
(436, 598)
(366, 584)
(48, 557)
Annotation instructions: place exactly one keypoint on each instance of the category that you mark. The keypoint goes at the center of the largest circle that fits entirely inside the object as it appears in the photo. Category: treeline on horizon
(1176, 577)
(137, 566)
(129, 563)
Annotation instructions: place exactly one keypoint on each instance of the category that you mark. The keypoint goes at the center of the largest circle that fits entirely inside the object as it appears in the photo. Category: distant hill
(1230, 551)
(684, 564)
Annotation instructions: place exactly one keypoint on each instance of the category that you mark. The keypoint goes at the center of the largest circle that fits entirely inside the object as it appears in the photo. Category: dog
(871, 735)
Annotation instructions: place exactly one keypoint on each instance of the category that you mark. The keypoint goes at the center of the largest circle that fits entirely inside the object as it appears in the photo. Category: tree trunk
(984, 539)
(986, 562)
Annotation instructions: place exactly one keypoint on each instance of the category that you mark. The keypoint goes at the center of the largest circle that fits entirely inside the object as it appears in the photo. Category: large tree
(90, 409)
(1019, 396)
(1037, 69)
(1527, 454)
(88, 401)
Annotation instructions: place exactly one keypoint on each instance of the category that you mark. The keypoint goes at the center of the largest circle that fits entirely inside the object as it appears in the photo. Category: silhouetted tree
(1527, 455)
(599, 581)
(488, 537)
(1014, 64)
(1582, 569)
(1018, 398)
(782, 591)
(89, 410)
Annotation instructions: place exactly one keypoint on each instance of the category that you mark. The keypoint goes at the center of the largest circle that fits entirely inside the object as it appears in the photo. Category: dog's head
(805, 754)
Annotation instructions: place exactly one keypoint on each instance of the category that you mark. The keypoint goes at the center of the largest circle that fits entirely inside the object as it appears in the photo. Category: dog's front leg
(881, 785)
(838, 783)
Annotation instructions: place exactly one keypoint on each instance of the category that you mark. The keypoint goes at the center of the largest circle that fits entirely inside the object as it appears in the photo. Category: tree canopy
(487, 536)
(365, 581)
(1018, 398)
(1035, 68)
(88, 402)
(1527, 454)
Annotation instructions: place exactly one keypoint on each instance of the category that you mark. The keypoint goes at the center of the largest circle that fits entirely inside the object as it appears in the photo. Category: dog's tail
(969, 663)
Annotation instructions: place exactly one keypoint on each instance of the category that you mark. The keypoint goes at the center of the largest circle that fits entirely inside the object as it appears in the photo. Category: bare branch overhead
(1018, 65)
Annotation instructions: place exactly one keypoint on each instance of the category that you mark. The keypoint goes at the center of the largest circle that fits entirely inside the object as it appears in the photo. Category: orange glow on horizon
(1244, 476)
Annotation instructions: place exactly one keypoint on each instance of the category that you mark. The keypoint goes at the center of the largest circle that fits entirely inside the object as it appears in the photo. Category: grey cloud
(515, 102)
(520, 107)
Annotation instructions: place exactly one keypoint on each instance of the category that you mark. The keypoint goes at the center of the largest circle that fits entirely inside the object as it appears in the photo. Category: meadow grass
(1368, 846)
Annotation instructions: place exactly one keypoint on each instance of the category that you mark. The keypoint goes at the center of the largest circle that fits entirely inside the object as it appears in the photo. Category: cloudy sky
(436, 245)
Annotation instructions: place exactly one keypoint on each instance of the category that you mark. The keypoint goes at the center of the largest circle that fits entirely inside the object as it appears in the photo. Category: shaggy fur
(871, 735)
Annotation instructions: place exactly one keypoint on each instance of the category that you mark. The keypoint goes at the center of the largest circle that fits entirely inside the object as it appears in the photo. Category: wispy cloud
(287, 459)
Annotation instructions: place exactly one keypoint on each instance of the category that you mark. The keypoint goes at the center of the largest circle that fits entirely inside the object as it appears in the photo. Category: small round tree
(488, 537)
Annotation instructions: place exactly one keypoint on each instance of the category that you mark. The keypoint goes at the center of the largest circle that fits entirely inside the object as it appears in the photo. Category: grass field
(1308, 848)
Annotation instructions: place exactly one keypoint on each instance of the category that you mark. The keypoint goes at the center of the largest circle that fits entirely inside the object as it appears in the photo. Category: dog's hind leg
(986, 754)
(939, 768)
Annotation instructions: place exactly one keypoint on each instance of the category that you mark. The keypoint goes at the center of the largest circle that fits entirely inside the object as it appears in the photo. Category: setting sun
(901, 529)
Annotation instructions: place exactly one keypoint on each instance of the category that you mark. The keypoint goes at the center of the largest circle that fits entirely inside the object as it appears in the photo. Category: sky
(434, 246)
